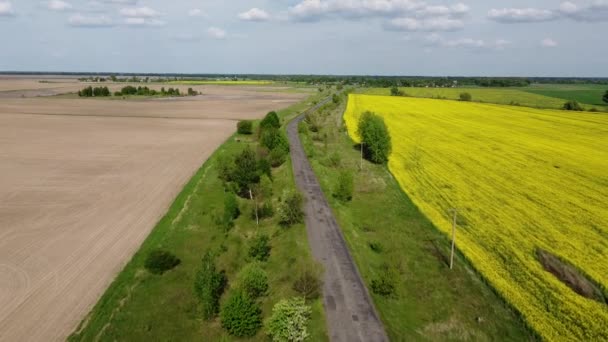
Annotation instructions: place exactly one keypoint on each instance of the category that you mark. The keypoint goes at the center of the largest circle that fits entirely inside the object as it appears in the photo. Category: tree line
(134, 91)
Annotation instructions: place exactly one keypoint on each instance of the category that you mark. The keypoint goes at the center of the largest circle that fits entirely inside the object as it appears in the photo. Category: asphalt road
(349, 309)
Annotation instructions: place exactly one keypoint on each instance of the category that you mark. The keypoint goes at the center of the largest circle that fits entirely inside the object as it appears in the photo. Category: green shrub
(375, 138)
(384, 285)
(308, 284)
(160, 261)
(345, 187)
(396, 92)
(253, 280)
(572, 105)
(265, 210)
(277, 157)
(605, 97)
(271, 120)
(209, 285)
(244, 127)
(274, 138)
(259, 249)
(231, 208)
(245, 172)
(289, 320)
(335, 160)
(466, 97)
(376, 247)
(240, 315)
(290, 209)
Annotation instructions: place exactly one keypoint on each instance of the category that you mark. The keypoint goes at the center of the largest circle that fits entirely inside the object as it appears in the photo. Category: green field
(223, 82)
(587, 93)
(431, 302)
(529, 97)
(140, 306)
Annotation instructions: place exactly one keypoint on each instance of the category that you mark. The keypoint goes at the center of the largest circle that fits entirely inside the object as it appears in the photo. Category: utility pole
(361, 165)
(255, 202)
(454, 213)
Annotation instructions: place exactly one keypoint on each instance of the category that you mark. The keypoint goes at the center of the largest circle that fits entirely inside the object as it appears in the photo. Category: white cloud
(79, 20)
(596, 11)
(254, 14)
(196, 12)
(58, 5)
(467, 43)
(315, 9)
(457, 11)
(548, 42)
(425, 24)
(216, 33)
(139, 12)
(6, 9)
(521, 15)
(134, 21)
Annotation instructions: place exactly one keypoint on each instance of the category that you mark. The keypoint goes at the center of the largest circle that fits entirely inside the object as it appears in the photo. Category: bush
(605, 97)
(244, 127)
(290, 209)
(572, 105)
(308, 284)
(396, 92)
(335, 160)
(231, 208)
(259, 249)
(245, 172)
(274, 138)
(277, 157)
(209, 285)
(466, 97)
(253, 280)
(271, 120)
(241, 316)
(289, 320)
(265, 168)
(159, 261)
(376, 247)
(375, 138)
(344, 189)
(384, 285)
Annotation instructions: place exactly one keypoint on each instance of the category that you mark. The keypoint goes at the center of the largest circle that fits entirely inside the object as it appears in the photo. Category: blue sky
(379, 37)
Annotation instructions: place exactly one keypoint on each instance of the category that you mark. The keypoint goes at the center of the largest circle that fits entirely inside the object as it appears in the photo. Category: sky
(340, 37)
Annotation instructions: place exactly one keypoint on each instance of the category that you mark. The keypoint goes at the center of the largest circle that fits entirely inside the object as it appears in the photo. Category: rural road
(350, 312)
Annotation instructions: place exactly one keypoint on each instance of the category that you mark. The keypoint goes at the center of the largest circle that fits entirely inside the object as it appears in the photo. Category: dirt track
(79, 193)
(349, 309)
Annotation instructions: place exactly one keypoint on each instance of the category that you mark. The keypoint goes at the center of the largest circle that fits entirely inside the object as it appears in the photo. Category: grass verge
(383, 228)
(139, 305)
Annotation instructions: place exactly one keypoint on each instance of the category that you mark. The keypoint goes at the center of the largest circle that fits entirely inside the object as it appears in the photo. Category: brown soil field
(82, 183)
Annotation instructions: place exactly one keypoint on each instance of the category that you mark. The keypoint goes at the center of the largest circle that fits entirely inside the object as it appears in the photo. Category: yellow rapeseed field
(522, 179)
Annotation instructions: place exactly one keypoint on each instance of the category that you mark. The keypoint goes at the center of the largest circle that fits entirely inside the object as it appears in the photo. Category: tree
(271, 120)
(272, 138)
(605, 98)
(375, 138)
(160, 261)
(209, 285)
(466, 97)
(253, 280)
(245, 171)
(259, 249)
(241, 316)
(572, 105)
(396, 92)
(231, 210)
(345, 187)
(289, 320)
(308, 283)
(290, 209)
(244, 127)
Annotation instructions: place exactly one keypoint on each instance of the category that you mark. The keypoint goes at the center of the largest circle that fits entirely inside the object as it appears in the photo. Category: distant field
(508, 96)
(522, 179)
(590, 94)
(252, 82)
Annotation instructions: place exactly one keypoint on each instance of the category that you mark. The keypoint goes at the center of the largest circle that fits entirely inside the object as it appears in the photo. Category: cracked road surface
(349, 309)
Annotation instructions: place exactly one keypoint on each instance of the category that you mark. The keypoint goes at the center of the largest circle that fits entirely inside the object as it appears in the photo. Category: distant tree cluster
(573, 105)
(94, 92)
(605, 97)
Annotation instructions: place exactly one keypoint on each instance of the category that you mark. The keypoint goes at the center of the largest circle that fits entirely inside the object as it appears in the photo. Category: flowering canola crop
(522, 179)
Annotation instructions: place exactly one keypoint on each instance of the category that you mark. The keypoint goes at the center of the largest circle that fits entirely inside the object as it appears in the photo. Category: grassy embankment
(523, 180)
(384, 228)
(550, 97)
(139, 306)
